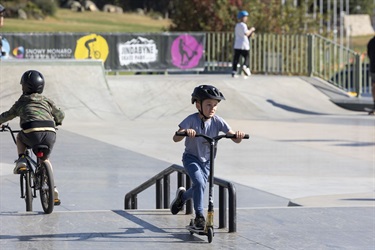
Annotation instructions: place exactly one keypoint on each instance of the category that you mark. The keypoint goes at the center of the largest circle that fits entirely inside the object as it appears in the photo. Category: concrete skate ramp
(259, 97)
(78, 87)
(81, 89)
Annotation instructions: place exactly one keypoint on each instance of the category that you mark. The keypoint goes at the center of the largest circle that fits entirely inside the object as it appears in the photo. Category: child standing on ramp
(196, 158)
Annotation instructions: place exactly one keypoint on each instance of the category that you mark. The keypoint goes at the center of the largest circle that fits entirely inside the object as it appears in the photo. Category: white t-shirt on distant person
(241, 41)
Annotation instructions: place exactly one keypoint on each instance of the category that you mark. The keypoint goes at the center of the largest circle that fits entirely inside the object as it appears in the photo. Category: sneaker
(21, 165)
(177, 204)
(199, 222)
(246, 70)
(234, 74)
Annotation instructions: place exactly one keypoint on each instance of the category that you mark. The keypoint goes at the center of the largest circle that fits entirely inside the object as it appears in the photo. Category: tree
(272, 17)
(202, 15)
(355, 6)
(220, 15)
(361, 7)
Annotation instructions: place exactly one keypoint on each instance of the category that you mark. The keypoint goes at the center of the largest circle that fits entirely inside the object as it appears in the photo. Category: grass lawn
(69, 21)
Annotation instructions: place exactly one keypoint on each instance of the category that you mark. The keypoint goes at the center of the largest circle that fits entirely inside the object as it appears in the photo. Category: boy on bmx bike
(38, 118)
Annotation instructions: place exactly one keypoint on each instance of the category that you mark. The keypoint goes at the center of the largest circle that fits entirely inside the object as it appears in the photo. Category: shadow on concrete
(293, 109)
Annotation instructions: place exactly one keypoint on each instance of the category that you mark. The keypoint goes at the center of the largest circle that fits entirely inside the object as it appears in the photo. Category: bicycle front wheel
(46, 186)
(27, 191)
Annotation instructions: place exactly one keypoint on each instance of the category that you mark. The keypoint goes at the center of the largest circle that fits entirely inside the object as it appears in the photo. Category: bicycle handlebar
(216, 138)
(12, 132)
(8, 128)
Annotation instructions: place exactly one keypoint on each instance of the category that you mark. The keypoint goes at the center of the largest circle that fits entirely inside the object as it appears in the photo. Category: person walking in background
(2, 10)
(371, 55)
(241, 43)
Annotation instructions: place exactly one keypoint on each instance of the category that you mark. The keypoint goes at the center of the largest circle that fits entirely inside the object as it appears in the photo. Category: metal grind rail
(162, 186)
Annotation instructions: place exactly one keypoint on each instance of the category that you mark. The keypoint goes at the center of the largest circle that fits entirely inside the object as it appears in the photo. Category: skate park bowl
(304, 179)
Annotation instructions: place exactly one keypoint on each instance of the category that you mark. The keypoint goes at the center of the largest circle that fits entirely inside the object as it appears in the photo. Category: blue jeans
(198, 172)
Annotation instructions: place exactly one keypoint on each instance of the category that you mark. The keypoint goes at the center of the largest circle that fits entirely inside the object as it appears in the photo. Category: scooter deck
(192, 229)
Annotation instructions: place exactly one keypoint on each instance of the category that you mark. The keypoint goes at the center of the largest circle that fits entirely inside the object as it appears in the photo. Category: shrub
(48, 7)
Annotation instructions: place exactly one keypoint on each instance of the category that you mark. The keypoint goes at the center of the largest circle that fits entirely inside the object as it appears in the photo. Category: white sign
(139, 50)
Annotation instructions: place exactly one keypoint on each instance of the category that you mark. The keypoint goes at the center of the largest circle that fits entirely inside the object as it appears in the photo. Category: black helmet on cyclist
(32, 81)
(204, 92)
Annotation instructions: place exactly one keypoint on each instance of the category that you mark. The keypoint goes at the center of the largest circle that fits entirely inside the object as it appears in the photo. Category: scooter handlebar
(220, 136)
(234, 136)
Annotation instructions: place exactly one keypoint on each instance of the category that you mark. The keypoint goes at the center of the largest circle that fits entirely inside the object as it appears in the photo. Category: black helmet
(204, 92)
(32, 81)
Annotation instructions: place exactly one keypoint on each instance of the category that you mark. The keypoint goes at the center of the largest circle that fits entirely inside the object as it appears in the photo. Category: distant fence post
(357, 74)
(310, 54)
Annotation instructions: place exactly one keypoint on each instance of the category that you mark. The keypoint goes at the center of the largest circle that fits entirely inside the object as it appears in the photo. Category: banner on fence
(119, 52)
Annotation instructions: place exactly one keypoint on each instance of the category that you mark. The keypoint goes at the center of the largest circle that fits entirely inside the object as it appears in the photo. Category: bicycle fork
(23, 182)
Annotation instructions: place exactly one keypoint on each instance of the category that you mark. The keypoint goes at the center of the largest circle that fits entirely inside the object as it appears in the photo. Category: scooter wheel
(210, 234)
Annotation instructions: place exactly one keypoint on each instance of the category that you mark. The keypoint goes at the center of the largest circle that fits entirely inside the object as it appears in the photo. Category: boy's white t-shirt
(198, 146)
(241, 40)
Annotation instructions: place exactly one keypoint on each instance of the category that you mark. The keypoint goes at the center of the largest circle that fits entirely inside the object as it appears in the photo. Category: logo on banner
(21, 52)
(137, 50)
(186, 52)
(18, 52)
(91, 47)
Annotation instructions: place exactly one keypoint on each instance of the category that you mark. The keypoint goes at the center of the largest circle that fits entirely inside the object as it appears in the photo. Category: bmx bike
(37, 175)
(209, 226)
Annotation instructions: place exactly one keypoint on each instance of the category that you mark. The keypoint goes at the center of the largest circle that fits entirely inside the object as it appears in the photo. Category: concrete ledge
(343, 200)
(340, 97)
(354, 104)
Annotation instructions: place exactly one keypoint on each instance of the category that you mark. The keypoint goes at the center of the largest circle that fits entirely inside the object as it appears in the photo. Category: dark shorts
(38, 138)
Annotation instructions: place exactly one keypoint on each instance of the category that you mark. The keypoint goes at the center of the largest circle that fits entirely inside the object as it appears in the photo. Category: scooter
(209, 227)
